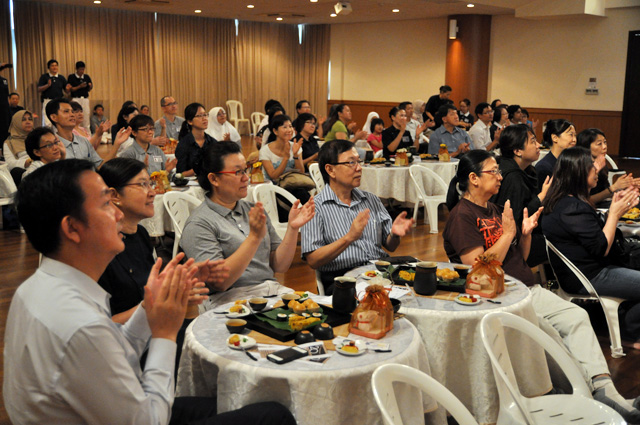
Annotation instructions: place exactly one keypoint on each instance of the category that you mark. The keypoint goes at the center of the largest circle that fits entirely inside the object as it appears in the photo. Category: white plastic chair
(236, 115)
(576, 408)
(613, 169)
(419, 175)
(609, 304)
(382, 382)
(179, 206)
(316, 175)
(378, 154)
(256, 119)
(266, 193)
(319, 284)
(7, 189)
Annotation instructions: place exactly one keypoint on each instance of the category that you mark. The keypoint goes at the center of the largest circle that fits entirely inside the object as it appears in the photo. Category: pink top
(377, 139)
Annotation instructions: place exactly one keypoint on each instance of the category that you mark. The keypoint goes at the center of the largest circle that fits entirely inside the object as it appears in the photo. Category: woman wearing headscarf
(220, 128)
(14, 150)
(367, 124)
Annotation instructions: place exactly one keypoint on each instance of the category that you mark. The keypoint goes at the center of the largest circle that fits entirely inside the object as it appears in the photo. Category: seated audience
(574, 226)
(170, 124)
(305, 127)
(418, 109)
(81, 366)
(14, 104)
(142, 149)
(145, 110)
(227, 227)
(560, 135)
(519, 149)
(375, 138)
(220, 128)
(594, 140)
(14, 146)
(43, 147)
(396, 136)
(480, 132)
(97, 118)
(304, 107)
(514, 114)
(457, 140)
(414, 127)
(61, 115)
(350, 226)
(465, 117)
(267, 135)
(495, 103)
(527, 121)
(123, 117)
(500, 120)
(264, 124)
(475, 226)
(338, 126)
(193, 140)
(367, 123)
(82, 131)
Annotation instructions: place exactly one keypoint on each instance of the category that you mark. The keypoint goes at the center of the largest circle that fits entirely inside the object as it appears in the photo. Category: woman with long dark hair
(573, 225)
(339, 127)
(193, 139)
(476, 226)
(559, 135)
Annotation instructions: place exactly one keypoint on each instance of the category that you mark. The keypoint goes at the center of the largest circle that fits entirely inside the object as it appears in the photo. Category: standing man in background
(436, 101)
(51, 85)
(80, 86)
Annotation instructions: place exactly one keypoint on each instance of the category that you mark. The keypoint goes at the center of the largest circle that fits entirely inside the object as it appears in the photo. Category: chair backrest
(511, 401)
(256, 119)
(319, 283)
(316, 175)
(576, 271)
(235, 110)
(266, 193)
(421, 175)
(363, 144)
(179, 206)
(611, 162)
(7, 185)
(382, 382)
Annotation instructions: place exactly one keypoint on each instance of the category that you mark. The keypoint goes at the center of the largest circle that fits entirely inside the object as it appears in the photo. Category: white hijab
(370, 117)
(217, 130)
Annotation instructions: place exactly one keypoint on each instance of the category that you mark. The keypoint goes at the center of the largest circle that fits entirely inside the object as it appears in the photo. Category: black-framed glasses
(50, 145)
(351, 164)
(146, 129)
(171, 104)
(146, 185)
(495, 172)
(238, 173)
(311, 122)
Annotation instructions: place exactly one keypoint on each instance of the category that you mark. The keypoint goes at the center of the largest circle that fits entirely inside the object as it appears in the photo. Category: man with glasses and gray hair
(170, 119)
(350, 226)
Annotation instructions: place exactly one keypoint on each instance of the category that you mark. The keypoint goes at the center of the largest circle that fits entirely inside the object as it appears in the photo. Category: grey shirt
(157, 159)
(173, 128)
(81, 148)
(215, 232)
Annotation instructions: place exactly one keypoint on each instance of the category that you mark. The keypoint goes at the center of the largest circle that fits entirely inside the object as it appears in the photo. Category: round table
(457, 357)
(395, 183)
(336, 392)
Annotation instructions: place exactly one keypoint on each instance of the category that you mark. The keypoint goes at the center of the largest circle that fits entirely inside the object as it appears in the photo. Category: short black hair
(375, 122)
(99, 105)
(302, 119)
(466, 101)
(270, 104)
(394, 111)
(140, 121)
(445, 89)
(53, 107)
(588, 136)
(555, 127)
(213, 161)
(512, 109)
(403, 105)
(32, 142)
(480, 107)
(75, 106)
(14, 94)
(117, 172)
(524, 112)
(46, 196)
(512, 138)
(329, 153)
(442, 112)
(300, 103)
(80, 64)
(51, 62)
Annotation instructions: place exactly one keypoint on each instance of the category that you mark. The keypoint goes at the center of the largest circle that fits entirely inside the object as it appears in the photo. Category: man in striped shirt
(350, 226)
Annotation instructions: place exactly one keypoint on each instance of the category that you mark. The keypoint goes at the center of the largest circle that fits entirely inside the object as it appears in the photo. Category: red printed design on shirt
(491, 229)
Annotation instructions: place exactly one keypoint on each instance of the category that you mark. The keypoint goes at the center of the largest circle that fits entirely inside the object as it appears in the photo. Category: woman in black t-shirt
(396, 137)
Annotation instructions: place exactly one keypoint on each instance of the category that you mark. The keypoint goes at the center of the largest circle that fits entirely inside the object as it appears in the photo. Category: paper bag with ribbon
(486, 277)
(373, 317)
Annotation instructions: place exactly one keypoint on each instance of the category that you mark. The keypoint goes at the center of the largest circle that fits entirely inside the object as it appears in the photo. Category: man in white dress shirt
(480, 132)
(65, 360)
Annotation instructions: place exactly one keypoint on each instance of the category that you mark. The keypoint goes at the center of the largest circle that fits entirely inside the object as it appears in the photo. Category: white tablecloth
(395, 182)
(457, 357)
(336, 392)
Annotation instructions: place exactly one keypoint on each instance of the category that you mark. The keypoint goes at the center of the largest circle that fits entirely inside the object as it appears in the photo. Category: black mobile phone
(287, 355)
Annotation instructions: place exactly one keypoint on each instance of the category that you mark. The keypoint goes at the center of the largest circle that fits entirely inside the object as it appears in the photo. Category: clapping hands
(298, 217)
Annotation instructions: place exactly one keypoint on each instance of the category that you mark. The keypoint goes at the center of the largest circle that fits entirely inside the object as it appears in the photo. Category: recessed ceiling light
(97, 1)
(279, 18)
(333, 15)
(396, 10)
(250, 6)
(198, 11)
(471, 5)
(314, 1)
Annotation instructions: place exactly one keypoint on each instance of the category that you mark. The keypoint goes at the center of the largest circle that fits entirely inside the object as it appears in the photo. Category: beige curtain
(130, 56)
(5, 41)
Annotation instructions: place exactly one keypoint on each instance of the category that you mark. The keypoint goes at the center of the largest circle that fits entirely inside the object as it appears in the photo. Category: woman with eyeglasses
(43, 147)
(573, 225)
(193, 139)
(227, 227)
(220, 128)
(306, 125)
(14, 150)
(142, 128)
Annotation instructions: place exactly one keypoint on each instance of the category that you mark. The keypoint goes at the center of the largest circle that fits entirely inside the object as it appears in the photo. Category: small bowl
(387, 163)
(286, 298)
(258, 303)
(396, 303)
(323, 332)
(281, 317)
(462, 271)
(303, 337)
(235, 326)
(382, 265)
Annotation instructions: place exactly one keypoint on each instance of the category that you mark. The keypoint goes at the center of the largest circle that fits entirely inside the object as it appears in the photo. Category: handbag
(625, 252)
(295, 180)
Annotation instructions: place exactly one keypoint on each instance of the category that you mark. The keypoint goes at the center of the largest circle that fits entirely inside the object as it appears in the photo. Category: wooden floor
(18, 260)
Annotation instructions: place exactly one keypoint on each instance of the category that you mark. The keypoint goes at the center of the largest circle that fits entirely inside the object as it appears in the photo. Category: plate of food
(632, 215)
(428, 156)
(370, 274)
(237, 310)
(467, 299)
(239, 342)
(403, 274)
(380, 160)
(447, 275)
(351, 348)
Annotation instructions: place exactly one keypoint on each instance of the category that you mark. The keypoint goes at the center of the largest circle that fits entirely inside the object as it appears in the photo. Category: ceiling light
(97, 1)
(314, 1)
(396, 10)
(198, 11)
(333, 15)
(250, 6)
(471, 5)
(279, 18)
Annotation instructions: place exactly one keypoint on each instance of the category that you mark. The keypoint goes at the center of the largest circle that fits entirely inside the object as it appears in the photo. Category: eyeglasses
(488, 112)
(495, 172)
(350, 164)
(221, 113)
(146, 185)
(50, 145)
(313, 123)
(171, 104)
(146, 129)
(200, 116)
(238, 173)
